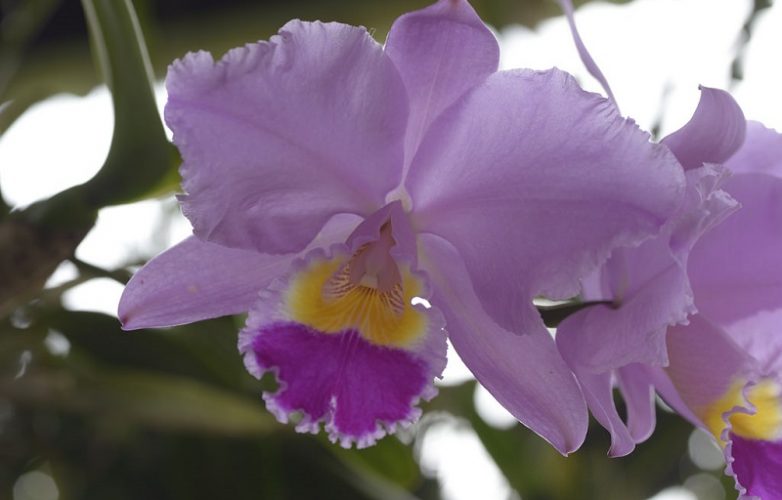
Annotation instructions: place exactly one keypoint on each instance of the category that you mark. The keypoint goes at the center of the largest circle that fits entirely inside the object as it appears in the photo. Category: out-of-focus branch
(30, 249)
(5, 208)
(21, 23)
(553, 315)
(737, 67)
(35, 240)
(86, 269)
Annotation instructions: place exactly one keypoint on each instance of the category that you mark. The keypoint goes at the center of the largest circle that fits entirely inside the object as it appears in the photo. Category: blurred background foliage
(172, 413)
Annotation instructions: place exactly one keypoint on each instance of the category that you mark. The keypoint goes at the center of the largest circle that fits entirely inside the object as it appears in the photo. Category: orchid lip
(347, 344)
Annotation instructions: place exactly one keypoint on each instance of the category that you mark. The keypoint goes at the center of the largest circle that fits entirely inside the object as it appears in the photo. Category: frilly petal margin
(523, 371)
(755, 466)
(753, 463)
(441, 52)
(197, 280)
(360, 391)
(651, 290)
(705, 366)
(528, 155)
(278, 136)
(715, 131)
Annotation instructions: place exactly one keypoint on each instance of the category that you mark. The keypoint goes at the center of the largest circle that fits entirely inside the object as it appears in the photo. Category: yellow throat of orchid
(764, 424)
(367, 292)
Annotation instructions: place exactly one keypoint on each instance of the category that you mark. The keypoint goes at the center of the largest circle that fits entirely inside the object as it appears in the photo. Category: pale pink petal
(704, 362)
(279, 136)
(761, 152)
(441, 52)
(736, 269)
(596, 386)
(667, 391)
(759, 335)
(535, 181)
(715, 131)
(523, 371)
(635, 384)
(197, 280)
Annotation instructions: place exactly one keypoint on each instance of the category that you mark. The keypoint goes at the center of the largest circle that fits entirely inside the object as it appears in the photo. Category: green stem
(141, 156)
(90, 271)
(554, 315)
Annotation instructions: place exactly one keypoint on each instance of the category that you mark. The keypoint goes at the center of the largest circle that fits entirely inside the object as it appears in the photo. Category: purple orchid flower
(722, 367)
(332, 183)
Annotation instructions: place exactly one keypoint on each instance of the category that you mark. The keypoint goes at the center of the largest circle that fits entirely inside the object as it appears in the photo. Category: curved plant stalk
(35, 240)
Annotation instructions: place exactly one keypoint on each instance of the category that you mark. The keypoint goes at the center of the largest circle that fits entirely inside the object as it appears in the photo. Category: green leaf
(140, 157)
(537, 471)
(22, 21)
(205, 350)
(137, 398)
(389, 459)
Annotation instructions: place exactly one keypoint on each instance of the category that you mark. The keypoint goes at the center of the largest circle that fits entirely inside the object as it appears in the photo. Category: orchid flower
(722, 367)
(332, 183)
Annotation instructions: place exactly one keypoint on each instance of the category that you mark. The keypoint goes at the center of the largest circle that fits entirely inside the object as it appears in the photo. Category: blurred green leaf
(537, 471)
(135, 397)
(389, 459)
(737, 66)
(140, 157)
(22, 21)
(131, 379)
(205, 350)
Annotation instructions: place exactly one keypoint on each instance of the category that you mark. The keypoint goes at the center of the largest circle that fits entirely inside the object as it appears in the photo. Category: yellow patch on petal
(384, 318)
(765, 424)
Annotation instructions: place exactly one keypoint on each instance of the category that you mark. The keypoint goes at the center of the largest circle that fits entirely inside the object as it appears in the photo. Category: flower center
(367, 292)
(372, 271)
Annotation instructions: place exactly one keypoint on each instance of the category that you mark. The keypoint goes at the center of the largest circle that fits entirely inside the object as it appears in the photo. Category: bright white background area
(654, 53)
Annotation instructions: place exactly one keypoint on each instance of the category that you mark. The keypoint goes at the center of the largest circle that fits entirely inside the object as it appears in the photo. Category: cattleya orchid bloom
(722, 367)
(332, 183)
